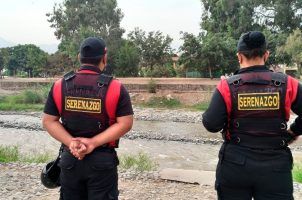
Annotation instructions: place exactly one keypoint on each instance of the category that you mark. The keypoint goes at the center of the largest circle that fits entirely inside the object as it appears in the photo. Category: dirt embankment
(188, 91)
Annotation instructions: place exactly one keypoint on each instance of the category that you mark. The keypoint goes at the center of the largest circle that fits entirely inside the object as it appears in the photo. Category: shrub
(140, 162)
(297, 173)
(12, 154)
(163, 102)
(151, 86)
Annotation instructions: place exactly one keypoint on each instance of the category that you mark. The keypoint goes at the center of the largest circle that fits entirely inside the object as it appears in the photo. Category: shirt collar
(90, 68)
(255, 68)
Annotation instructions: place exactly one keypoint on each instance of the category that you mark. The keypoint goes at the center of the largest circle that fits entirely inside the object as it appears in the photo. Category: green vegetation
(163, 102)
(27, 100)
(21, 107)
(200, 106)
(151, 86)
(297, 172)
(140, 162)
(9, 154)
(12, 154)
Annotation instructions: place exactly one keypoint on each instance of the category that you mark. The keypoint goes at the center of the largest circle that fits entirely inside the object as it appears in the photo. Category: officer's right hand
(89, 146)
(76, 147)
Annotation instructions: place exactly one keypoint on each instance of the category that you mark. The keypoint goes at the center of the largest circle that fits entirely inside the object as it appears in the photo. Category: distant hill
(5, 43)
(49, 48)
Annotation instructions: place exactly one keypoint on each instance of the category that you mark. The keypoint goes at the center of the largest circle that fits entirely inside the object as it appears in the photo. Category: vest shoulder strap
(105, 79)
(70, 75)
(233, 79)
(279, 77)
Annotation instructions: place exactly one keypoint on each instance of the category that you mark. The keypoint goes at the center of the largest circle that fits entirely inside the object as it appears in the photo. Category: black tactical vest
(258, 105)
(83, 104)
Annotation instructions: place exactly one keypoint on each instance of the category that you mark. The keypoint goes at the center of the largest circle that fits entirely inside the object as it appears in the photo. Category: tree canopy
(26, 58)
(223, 22)
(293, 48)
(74, 20)
(154, 47)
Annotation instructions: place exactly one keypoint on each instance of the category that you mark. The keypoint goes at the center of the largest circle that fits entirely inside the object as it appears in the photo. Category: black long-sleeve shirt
(215, 117)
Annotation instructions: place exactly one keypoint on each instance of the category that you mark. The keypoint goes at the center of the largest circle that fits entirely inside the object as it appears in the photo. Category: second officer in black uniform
(253, 108)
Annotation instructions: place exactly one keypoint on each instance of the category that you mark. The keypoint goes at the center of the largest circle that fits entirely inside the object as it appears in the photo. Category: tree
(75, 20)
(57, 64)
(27, 58)
(191, 51)
(154, 48)
(293, 48)
(279, 15)
(127, 60)
(226, 20)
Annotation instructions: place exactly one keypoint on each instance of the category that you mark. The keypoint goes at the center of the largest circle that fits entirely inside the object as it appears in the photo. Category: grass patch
(297, 172)
(140, 162)
(21, 107)
(26, 97)
(33, 99)
(12, 154)
(163, 102)
(9, 154)
(200, 106)
(38, 158)
(152, 86)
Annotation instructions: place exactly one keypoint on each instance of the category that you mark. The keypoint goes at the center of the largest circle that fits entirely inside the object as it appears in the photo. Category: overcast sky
(24, 21)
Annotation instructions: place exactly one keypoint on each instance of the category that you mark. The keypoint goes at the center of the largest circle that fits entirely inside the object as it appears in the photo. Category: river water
(25, 131)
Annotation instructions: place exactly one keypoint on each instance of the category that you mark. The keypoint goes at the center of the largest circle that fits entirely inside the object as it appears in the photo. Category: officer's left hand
(75, 147)
(89, 144)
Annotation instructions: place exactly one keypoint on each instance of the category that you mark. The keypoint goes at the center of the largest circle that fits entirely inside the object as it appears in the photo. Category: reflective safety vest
(258, 106)
(87, 103)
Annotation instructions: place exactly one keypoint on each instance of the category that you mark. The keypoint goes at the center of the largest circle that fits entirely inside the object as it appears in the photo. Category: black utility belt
(257, 142)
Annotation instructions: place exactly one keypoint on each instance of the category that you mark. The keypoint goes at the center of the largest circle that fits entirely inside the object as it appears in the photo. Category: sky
(24, 21)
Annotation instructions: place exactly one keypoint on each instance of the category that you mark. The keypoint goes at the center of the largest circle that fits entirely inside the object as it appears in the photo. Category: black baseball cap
(251, 40)
(93, 48)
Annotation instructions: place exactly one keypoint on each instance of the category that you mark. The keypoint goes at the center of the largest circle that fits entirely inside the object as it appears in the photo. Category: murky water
(168, 154)
(182, 129)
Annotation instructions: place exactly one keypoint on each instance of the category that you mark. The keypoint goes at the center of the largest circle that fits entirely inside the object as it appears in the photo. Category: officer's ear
(266, 56)
(239, 56)
(105, 59)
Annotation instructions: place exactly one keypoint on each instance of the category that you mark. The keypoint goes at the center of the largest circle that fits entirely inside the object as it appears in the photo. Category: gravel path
(21, 182)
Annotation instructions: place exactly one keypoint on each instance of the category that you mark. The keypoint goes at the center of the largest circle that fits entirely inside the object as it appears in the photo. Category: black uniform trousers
(93, 178)
(245, 173)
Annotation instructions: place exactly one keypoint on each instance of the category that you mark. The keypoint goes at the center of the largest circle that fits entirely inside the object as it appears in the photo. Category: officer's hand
(89, 144)
(76, 147)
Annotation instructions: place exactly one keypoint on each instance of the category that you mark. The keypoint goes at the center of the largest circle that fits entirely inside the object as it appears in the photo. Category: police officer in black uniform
(95, 111)
(253, 108)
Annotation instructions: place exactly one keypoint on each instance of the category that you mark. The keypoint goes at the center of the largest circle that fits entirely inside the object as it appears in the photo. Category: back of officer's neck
(100, 66)
(252, 62)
